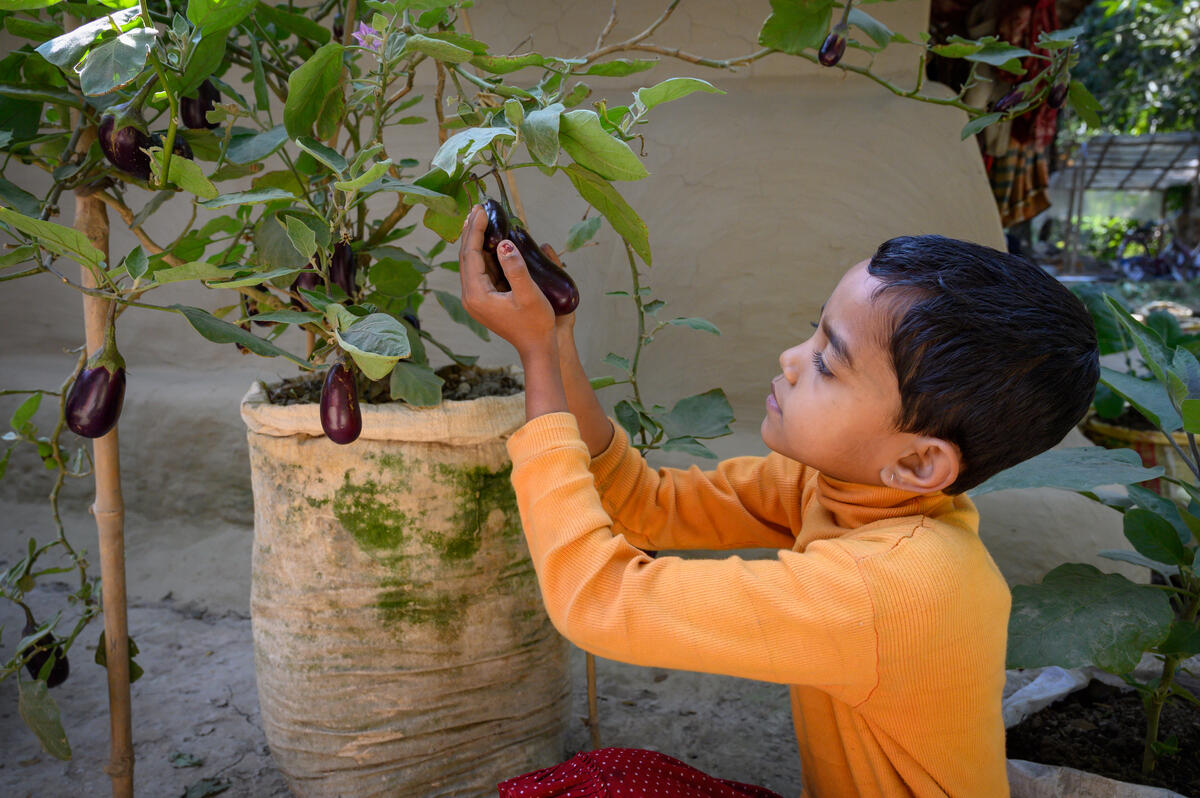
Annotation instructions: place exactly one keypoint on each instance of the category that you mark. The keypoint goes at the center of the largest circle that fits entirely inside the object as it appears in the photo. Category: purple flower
(367, 37)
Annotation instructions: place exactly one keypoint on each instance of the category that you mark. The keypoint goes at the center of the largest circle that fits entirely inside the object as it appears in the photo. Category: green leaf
(116, 63)
(376, 171)
(40, 713)
(292, 22)
(1133, 558)
(26, 5)
(614, 359)
(20, 199)
(205, 59)
(56, 238)
(66, 50)
(180, 759)
(1059, 39)
(1148, 397)
(540, 129)
(796, 24)
(1001, 55)
(22, 254)
(585, 140)
(437, 48)
(979, 123)
(255, 148)
(454, 308)
(628, 417)
(696, 323)
(288, 316)
(1154, 537)
(376, 342)
(25, 412)
(463, 146)
(1183, 640)
(240, 198)
(1190, 413)
(301, 236)
(503, 64)
(136, 263)
(395, 278)
(705, 415)
(600, 194)
(192, 270)
(878, 32)
(689, 445)
(602, 382)
(1164, 507)
(514, 112)
(222, 332)
(673, 89)
(185, 173)
(1080, 468)
(621, 67)
(256, 278)
(414, 194)
(1187, 368)
(326, 155)
(1087, 106)
(416, 384)
(214, 16)
(582, 232)
(1079, 616)
(315, 95)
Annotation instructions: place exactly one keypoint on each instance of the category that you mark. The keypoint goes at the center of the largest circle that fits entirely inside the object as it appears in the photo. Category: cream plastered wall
(757, 202)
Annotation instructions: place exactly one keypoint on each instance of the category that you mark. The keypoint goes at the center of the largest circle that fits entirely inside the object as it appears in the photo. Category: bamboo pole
(91, 218)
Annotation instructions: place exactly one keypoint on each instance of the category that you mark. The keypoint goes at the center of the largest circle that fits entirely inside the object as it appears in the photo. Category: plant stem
(1158, 698)
(637, 352)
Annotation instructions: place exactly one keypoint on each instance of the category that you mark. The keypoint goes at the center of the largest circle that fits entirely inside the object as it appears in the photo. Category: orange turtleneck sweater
(883, 610)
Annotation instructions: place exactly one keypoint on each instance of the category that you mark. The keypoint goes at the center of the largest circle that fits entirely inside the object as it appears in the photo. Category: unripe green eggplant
(341, 417)
(61, 667)
(95, 399)
(834, 46)
(554, 281)
(123, 139)
(193, 110)
(342, 267)
(498, 228)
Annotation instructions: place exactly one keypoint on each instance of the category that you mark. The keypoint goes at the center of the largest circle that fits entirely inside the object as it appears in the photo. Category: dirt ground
(198, 698)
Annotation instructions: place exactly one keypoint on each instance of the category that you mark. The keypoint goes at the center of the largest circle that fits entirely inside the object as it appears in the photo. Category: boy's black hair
(991, 353)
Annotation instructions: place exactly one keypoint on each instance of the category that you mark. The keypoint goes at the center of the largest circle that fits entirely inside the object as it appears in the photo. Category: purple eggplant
(180, 147)
(1010, 100)
(95, 399)
(341, 417)
(123, 139)
(341, 267)
(193, 110)
(46, 644)
(1058, 92)
(413, 320)
(498, 229)
(554, 281)
(834, 46)
(308, 280)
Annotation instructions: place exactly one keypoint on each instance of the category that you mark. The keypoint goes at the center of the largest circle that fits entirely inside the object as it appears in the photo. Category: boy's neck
(854, 504)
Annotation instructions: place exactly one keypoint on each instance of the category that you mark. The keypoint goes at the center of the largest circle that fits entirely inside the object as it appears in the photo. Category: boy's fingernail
(506, 248)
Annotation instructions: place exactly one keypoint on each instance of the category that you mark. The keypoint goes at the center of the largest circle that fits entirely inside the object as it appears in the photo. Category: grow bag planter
(400, 643)
(1036, 688)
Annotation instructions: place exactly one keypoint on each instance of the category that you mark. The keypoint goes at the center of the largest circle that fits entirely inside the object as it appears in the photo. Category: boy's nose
(789, 361)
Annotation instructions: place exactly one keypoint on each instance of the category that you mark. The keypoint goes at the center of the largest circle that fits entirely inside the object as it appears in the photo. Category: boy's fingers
(471, 272)
(514, 266)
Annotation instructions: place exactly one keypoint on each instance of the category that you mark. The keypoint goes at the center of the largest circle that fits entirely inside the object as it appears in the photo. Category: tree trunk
(91, 218)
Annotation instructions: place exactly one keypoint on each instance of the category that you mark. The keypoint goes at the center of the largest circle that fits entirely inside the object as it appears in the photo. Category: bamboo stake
(91, 218)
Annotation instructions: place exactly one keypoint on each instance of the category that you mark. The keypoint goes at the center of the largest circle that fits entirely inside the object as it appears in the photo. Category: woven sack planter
(400, 643)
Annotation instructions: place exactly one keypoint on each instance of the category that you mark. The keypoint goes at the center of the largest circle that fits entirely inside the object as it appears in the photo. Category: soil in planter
(459, 383)
(1100, 729)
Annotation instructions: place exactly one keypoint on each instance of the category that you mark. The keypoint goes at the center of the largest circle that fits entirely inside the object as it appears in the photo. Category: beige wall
(756, 202)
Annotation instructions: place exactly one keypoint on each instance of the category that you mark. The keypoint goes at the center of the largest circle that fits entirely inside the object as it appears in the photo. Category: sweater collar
(853, 504)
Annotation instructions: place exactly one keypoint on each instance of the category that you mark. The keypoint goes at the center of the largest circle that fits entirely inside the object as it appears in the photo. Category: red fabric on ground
(624, 773)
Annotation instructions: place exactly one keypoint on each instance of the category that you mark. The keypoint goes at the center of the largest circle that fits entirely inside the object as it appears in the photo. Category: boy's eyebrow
(837, 344)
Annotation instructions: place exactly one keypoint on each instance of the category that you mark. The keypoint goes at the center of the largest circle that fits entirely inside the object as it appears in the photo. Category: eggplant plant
(271, 122)
(1079, 616)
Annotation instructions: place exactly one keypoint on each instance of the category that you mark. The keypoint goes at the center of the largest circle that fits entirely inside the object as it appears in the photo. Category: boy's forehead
(853, 314)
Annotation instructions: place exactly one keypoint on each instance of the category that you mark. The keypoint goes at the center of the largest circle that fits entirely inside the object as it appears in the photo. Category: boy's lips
(772, 400)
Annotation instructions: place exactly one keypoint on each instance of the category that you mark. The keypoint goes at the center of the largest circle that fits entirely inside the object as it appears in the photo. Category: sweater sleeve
(804, 618)
(745, 502)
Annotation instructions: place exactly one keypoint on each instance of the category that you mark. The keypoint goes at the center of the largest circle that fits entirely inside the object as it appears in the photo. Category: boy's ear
(930, 465)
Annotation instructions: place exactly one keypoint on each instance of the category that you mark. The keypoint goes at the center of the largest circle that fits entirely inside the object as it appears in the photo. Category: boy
(935, 364)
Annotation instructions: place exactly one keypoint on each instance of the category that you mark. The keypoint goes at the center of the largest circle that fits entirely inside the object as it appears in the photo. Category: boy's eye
(819, 362)
(814, 324)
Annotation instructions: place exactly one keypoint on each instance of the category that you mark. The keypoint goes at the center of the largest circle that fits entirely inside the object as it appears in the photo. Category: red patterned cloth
(625, 773)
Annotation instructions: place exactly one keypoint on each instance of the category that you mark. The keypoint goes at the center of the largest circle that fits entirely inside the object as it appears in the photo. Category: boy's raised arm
(594, 426)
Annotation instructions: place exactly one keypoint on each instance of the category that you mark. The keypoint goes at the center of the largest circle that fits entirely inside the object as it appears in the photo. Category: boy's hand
(521, 316)
(564, 325)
